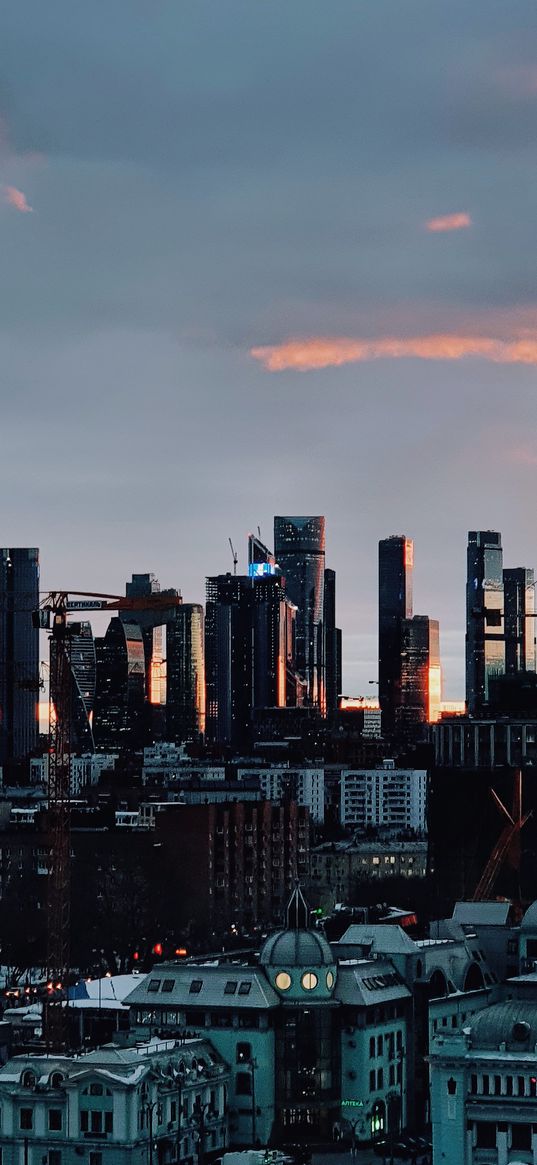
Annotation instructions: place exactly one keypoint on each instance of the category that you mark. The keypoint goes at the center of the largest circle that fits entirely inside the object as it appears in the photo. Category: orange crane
(508, 843)
(52, 617)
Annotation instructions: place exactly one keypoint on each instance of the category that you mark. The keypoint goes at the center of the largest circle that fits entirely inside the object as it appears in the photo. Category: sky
(263, 257)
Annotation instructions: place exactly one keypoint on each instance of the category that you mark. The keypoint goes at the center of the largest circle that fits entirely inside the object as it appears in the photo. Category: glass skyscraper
(519, 605)
(421, 680)
(19, 653)
(185, 674)
(485, 642)
(396, 561)
(299, 550)
(118, 721)
(82, 667)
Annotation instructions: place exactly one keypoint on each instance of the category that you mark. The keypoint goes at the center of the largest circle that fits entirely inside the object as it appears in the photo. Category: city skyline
(261, 258)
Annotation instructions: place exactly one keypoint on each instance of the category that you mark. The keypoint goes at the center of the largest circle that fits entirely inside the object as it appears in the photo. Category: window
(372, 1048)
(380, 1079)
(509, 1085)
(473, 1083)
(244, 1053)
(195, 986)
(55, 1120)
(521, 1137)
(485, 1135)
(167, 985)
(153, 985)
(309, 980)
(96, 1089)
(54, 1157)
(245, 987)
(95, 1159)
(26, 1119)
(392, 1074)
(243, 1084)
(497, 1085)
(283, 980)
(486, 1090)
(521, 1085)
(372, 1080)
(379, 1046)
(230, 987)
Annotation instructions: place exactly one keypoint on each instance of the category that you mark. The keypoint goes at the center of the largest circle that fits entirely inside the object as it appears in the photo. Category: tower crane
(234, 556)
(508, 843)
(52, 616)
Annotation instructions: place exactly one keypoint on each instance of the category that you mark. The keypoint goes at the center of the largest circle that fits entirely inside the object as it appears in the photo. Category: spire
(297, 911)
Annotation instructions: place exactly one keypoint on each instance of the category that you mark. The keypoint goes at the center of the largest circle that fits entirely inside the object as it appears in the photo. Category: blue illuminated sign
(258, 569)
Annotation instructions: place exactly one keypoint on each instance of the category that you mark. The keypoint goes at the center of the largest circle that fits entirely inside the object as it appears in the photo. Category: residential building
(485, 641)
(19, 655)
(303, 784)
(337, 868)
(386, 796)
(299, 549)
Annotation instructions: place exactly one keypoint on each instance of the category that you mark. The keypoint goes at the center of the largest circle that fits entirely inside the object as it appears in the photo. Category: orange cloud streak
(17, 200)
(449, 222)
(304, 355)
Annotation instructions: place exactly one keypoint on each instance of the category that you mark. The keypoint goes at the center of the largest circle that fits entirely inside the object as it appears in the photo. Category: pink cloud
(17, 199)
(449, 222)
(314, 352)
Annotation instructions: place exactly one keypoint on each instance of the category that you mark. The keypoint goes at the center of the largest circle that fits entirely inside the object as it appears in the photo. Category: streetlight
(149, 1108)
(199, 1113)
(252, 1064)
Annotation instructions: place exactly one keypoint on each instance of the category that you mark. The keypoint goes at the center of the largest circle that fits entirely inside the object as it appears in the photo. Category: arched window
(473, 980)
(378, 1119)
(438, 984)
(28, 1078)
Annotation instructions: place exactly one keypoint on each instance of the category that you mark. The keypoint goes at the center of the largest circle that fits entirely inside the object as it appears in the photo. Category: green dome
(296, 948)
(513, 1024)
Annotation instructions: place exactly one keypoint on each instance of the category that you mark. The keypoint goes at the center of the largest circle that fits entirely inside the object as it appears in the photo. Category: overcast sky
(269, 256)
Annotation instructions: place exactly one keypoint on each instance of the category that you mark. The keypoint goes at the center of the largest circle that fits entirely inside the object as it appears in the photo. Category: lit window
(283, 981)
(309, 980)
(329, 979)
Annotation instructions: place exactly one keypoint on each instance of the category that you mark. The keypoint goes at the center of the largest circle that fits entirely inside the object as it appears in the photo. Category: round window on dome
(329, 979)
(309, 980)
(283, 981)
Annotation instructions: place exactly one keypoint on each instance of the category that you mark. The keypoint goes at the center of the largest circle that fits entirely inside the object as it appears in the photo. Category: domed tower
(298, 961)
(300, 966)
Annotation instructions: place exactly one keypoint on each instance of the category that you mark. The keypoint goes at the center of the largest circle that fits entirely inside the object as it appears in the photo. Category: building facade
(185, 674)
(299, 549)
(119, 717)
(485, 641)
(159, 1101)
(396, 563)
(421, 679)
(19, 653)
(519, 599)
(386, 796)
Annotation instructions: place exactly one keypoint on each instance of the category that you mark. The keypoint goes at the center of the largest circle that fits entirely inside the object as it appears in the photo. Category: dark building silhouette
(19, 653)
(118, 722)
(259, 556)
(83, 674)
(332, 646)
(420, 671)
(299, 549)
(519, 608)
(143, 586)
(396, 559)
(485, 643)
(185, 674)
(249, 644)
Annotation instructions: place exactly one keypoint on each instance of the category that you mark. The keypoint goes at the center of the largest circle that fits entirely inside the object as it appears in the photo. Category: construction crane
(234, 556)
(507, 841)
(52, 617)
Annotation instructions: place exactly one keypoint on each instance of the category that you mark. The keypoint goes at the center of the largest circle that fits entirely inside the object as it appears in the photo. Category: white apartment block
(305, 785)
(386, 796)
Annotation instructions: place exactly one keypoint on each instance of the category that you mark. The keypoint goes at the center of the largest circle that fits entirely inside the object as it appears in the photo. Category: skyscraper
(19, 653)
(421, 681)
(299, 549)
(143, 586)
(185, 674)
(332, 645)
(118, 721)
(485, 643)
(396, 560)
(249, 663)
(519, 606)
(82, 664)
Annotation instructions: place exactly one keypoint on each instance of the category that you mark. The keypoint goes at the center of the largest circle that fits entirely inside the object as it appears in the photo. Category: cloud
(17, 199)
(449, 222)
(304, 355)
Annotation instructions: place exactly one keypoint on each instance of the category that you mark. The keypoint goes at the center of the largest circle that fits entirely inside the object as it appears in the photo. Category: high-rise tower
(396, 561)
(82, 665)
(19, 653)
(485, 643)
(120, 691)
(421, 679)
(332, 646)
(185, 674)
(519, 606)
(299, 549)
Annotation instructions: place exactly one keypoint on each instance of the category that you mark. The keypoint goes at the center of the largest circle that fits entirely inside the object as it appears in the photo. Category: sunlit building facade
(299, 548)
(421, 677)
(185, 674)
(485, 642)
